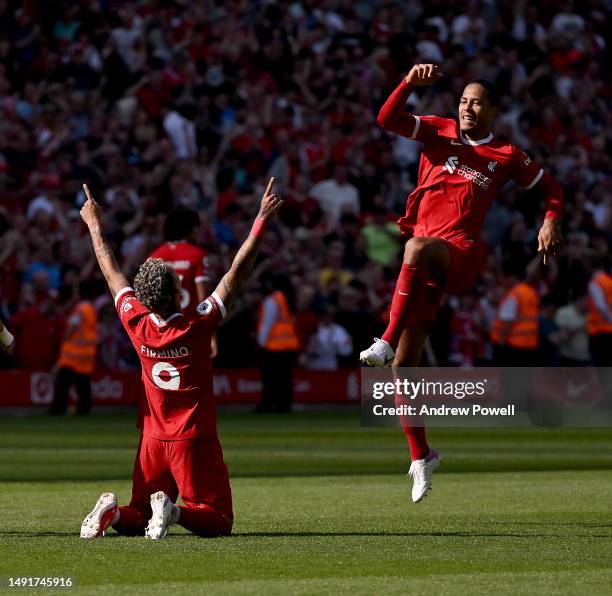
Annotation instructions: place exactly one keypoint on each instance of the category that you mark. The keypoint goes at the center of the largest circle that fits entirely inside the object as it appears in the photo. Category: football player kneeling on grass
(179, 452)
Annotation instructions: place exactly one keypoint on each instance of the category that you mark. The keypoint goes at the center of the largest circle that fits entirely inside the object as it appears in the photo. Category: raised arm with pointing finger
(92, 216)
(245, 257)
(232, 280)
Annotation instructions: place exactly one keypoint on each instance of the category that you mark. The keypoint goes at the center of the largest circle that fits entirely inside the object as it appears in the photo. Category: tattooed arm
(90, 212)
(243, 262)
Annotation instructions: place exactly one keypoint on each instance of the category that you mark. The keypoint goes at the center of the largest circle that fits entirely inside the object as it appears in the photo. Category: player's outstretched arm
(241, 268)
(7, 341)
(91, 214)
(393, 115)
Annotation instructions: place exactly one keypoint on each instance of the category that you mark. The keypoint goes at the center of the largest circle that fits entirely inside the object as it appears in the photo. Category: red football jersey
(176, 366)
(191, 264)
(459, 179)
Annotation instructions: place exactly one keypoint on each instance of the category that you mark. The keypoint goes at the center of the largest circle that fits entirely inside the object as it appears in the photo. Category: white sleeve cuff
(417, 125)
(202, 278)
(220, 303)
(536, 179)
(121, 293)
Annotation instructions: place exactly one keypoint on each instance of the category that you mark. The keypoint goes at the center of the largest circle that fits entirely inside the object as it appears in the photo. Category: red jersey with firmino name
(459, 179)
(191, 264)
(176, 367)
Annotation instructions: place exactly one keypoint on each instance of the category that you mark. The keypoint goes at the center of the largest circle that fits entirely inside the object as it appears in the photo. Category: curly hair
(154, 286)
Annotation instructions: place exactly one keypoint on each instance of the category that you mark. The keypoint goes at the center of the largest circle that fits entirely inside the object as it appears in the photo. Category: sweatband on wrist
(258, 227)
(6, 339)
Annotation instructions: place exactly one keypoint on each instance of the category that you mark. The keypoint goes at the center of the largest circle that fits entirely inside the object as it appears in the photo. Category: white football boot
(380, 353)
(101, 516)
(421, 471)
(164, 513)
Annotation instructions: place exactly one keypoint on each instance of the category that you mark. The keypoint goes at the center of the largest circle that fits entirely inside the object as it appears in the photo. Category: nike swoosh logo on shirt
(403, 293)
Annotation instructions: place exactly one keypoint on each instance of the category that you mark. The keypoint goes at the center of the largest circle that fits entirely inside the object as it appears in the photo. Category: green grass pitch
(322, 507)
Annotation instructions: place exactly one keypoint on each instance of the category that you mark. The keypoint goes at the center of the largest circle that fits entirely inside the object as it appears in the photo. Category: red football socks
(414, 429)
(431, 302)
(407, 300)
(204, 521)
(417, 441)
(132, 521)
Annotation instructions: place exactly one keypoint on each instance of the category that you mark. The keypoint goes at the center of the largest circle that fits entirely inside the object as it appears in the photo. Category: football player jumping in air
(179, 452)
(462, 169)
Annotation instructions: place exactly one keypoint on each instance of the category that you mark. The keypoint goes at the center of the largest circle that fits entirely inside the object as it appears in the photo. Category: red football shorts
(467, 260)
(193, 468)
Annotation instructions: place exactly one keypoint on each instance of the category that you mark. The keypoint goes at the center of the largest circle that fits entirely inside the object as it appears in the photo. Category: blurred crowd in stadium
(158, 104)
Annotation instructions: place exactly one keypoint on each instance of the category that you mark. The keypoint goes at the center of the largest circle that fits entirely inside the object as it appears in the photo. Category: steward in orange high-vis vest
(78, 350)
(278, 339)
(77, 360)
(516, 329)
(282, 335)
(599, 321)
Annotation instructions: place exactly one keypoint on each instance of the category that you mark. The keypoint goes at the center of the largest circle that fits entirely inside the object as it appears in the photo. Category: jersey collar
(161, 322)
(467, 141)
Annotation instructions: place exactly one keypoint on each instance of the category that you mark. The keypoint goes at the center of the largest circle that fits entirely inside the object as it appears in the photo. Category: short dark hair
(493, 94)
(154, 286)
(179, 223)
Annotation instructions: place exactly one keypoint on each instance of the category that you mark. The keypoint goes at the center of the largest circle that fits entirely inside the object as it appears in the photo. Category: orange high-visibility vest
(595, 321)
(283, 336)
(524, 332)
(78, 352)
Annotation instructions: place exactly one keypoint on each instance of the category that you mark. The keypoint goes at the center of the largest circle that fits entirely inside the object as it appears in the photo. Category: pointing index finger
(270, 185)
(88, 193)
